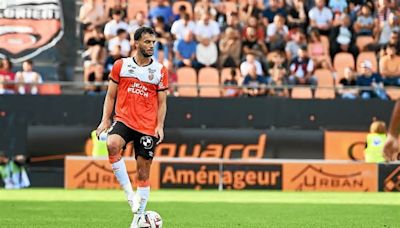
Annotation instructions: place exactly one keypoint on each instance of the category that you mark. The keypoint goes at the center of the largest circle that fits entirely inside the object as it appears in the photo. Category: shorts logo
(151, 153)
(29, 27)
(147, 142)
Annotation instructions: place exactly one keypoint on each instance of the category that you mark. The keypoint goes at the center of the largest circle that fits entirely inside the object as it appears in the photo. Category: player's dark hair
(141, 31)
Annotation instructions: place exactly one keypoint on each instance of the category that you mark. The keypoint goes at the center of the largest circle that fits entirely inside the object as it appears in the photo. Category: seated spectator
(369, 79)
(255, 47)
(271, 10)
(164, 10)
(297, 16)
(92, 13)
(95, 42)
(207, 28)
(28, 76)
(248, 63)
(206, 53)
(182, 11)
(395, 41)
(140, 20)
(122, 41)
(317, 51)
(292, 47)
(364, 25)
(277, 34)
(163, 39)
(95, 75)
(392, 24)
(13, 172)
(111, 28)
(278, 75)
(253, 83)
(185, 51)
(230, 48)
(6, 76)
(251, 9)
(114, 55)
(349, 80)
(117, 5)
(302, 69)
(182, 25)
(204, 7)
(232, 20)
(342, 38)
(252, 22)
(321, 17)
(231, 85)
(389, 66)
(338, 6)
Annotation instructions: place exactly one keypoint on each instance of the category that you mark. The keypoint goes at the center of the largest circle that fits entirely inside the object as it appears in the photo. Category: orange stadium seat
(340, 62)
(324, 77)
(177, 4)
(325, 93)
(187, 77)
(209, 76)
(301, 93)
(50, 89)
(367, 55)
(363, 41)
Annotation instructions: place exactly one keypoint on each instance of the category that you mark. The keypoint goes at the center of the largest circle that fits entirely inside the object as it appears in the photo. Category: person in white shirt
(248, 63)
(28, 76)
(182, 25)
(120, 40)
(321, 17)
(207, 28)
(277, 33)
(110, 29)
(206, 53)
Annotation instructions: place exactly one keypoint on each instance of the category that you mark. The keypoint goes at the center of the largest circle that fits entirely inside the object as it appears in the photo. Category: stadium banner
(29, 27)
(346, 177)
(96, 173)
(344, 145)
(389, 177)
(207, 175)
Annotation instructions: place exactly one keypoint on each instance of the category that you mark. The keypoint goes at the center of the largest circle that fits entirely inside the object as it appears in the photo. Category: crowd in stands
(268, 47)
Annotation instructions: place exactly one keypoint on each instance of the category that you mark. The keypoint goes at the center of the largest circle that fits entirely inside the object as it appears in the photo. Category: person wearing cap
(389, 66)
(374, 81)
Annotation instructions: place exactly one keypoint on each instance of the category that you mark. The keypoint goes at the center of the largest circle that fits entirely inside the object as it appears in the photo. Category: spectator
(115, 54)
(364, 26)
(182, 25)
(387, 28)
(250, 45)
(252, 22)
(140, 20)
(207, 28)
(111, 28)
(375, 142)
(251, 9)
(230, 48)
(28, 76)
(321, 17)
(117, 5)
(95, 41)
(301, 69)
(292, 47)
(172, 77)
(272, 10)
(231, 85)
(342, 38)
(395, 41)
(277, 34)
(297, 16)
(389, 66)
(120, 40)
(12, 171)
(346, 88)
(369, 79)
(185, 51)
(96, 77)
(6, 76)
(232, 20)
(92, 13)
(204, 7)
(206, 53)
(163, 39)
(278, 75)
(338, 6)
(248, 63)
(164, 10)
(182, 11)
(317, 50)
(253, 83)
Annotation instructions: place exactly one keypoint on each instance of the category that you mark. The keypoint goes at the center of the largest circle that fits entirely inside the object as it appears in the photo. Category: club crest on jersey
(151, 74)
(29, 27)
(147, 142)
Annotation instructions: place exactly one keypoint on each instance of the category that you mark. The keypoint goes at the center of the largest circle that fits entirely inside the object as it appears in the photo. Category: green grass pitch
(196, 209)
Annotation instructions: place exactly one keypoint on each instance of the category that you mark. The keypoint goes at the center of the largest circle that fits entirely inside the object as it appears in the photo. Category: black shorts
(144, 145)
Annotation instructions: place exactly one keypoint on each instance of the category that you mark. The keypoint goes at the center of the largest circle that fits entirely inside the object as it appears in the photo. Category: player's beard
(143, 52)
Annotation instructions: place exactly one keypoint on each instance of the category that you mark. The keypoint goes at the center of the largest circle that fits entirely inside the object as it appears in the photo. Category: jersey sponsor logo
(28, 27)
(137, 88)
(147, 143)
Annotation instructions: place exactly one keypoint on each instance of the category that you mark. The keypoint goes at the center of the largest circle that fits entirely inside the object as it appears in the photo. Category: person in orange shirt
(139, 87)
(389, 66)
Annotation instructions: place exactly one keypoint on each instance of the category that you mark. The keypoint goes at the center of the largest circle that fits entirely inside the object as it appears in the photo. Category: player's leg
(116, 140)
(143, 184)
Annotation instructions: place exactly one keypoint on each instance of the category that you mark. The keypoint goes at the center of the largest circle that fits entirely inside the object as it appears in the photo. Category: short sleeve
(115, 71)
(163, 84)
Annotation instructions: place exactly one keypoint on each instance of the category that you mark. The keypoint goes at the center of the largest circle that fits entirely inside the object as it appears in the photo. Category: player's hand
(103, 126)
(160, 134)
(391, 148)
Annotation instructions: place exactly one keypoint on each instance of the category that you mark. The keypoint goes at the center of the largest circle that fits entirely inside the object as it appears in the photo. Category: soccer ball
(151, 219)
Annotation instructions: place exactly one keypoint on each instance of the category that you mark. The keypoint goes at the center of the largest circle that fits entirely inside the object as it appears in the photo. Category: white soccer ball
(151, 219)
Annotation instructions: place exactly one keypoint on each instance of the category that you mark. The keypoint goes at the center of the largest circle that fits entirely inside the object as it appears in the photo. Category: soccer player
(139, 86)
(391, 149)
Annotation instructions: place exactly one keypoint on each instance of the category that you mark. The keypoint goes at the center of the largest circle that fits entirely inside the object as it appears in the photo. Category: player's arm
(108, 107)
(162, 110)
(392, 146)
